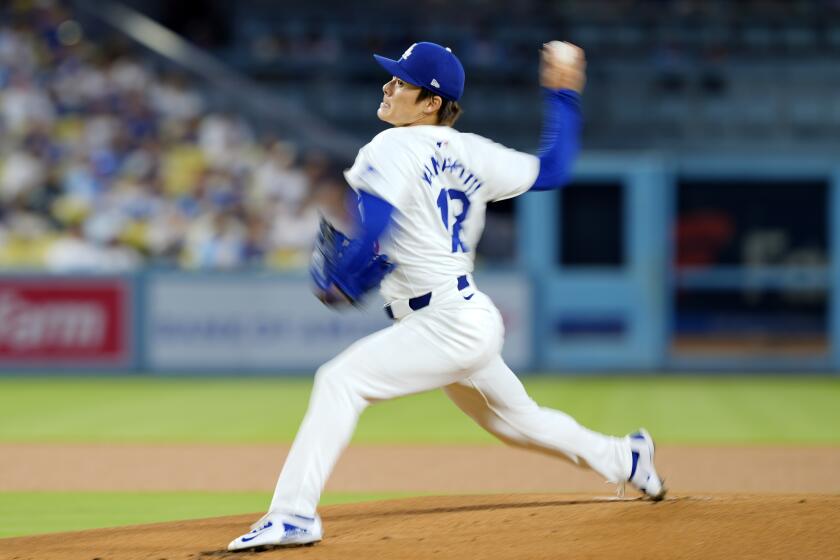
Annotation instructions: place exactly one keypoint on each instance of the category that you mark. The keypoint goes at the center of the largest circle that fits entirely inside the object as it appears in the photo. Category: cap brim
(393, 67)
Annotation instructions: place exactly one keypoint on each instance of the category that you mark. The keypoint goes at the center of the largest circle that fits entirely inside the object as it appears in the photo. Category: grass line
(30, 513)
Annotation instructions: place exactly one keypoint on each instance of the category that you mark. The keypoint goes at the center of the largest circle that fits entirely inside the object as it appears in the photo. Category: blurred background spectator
(109, 162)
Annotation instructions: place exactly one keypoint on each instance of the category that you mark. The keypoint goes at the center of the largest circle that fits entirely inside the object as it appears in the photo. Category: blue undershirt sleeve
(374, 217)
(560, 139)
(371, 221)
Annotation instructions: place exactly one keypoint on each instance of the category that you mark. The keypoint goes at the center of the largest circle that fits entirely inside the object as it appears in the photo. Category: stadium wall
(200, 323)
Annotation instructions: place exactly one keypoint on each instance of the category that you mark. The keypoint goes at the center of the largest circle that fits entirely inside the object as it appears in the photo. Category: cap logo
(408, 51)
(435, 83)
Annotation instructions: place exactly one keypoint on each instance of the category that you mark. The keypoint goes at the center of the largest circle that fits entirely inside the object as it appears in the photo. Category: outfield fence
(177, 322)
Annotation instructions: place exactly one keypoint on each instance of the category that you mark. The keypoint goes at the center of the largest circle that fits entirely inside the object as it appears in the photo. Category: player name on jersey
(455, 168)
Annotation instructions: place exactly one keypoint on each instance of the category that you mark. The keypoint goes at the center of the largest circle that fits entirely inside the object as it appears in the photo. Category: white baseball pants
(453, 343)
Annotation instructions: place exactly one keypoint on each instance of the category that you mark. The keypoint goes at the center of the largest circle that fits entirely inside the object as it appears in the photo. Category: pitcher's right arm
(562, 76)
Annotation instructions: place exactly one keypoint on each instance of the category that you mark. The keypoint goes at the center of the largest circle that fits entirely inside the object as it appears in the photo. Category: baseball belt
(400, 308)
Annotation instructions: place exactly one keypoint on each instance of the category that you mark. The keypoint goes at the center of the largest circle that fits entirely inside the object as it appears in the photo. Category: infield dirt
(725, 503)
(531, 526)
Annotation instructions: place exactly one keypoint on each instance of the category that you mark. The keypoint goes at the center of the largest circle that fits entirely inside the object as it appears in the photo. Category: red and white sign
(64, 321)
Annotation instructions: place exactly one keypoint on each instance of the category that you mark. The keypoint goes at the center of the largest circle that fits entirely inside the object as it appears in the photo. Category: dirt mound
(531, 526)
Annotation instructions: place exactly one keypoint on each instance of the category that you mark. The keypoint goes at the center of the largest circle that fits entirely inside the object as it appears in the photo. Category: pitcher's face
(399, 105)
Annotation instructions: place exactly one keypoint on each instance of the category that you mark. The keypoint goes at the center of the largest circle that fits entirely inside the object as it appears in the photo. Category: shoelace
(260, 523)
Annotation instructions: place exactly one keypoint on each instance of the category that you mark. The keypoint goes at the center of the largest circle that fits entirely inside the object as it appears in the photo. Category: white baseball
(563, 52)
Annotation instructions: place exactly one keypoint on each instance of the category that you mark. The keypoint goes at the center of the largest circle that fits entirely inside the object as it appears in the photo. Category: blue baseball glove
(343, 271)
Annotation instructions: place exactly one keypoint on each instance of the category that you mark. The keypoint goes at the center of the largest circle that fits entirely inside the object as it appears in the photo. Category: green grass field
(734, 410)
(251, 410)
(30, 513)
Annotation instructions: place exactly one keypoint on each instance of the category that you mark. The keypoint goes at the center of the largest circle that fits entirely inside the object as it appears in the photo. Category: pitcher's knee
(335, 378)
(329, 375)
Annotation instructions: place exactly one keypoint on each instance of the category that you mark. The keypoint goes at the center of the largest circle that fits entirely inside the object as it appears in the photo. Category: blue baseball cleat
(280, 530)
(643, 474)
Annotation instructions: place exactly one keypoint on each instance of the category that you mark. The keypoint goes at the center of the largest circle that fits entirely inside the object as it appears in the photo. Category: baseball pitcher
(423, 188)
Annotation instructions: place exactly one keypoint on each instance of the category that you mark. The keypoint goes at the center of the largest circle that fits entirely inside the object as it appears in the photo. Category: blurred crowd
(109, 164)
(484, 31)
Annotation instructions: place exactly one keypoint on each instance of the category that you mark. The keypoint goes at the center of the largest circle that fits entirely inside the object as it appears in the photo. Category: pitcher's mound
(527, 526)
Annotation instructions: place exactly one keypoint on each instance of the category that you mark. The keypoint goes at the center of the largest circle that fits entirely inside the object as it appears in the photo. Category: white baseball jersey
(439, 181)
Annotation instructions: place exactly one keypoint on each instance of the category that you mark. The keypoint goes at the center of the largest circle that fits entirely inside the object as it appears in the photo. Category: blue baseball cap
(430, 66)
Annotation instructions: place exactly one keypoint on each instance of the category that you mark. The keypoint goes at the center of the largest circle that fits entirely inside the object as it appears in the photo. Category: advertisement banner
(242, 323)
(65, 322)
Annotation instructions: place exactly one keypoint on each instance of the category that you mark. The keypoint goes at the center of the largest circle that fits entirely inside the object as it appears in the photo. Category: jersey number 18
(457, 219)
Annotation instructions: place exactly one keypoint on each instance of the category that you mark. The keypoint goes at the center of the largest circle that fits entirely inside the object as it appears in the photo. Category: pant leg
(423, 352)
(494, 397)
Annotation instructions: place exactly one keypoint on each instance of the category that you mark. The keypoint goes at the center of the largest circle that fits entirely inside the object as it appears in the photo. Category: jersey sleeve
(507, 172)
(381, 169)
